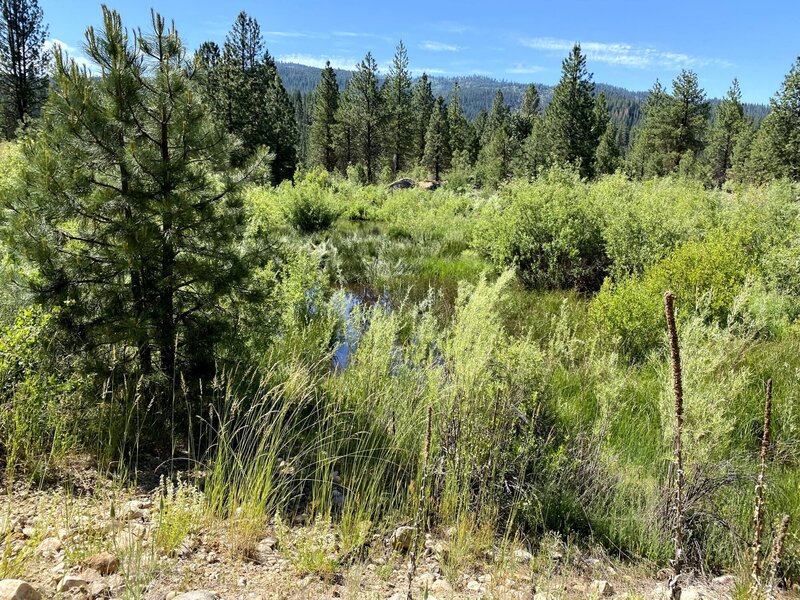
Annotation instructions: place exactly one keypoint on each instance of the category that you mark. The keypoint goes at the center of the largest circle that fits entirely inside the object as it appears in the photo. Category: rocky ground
(93, 538)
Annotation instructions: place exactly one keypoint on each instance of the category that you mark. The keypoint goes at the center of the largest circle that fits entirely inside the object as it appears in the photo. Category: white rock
(16, 589)
(403, 537)
(522, 556)
(474, 586)
(197, 595)
(601, 588)
(70, 582)
(441, 587)
(50, 547)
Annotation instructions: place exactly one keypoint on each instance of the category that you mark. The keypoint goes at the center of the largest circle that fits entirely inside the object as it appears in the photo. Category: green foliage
(246, 96)
(570, 132)
(24, 63)
(323, 120)
(131, 239)
(310, 205)
(41, 417)
(437, 141)
(549, 230)
(705, 275)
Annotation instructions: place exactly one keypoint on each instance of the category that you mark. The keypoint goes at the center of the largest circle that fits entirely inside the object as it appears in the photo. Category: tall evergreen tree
(245, 92)
(463, 142)
(499, 117)
(569, 126)
(24, 62)
(399, 130)
(729, 124)
(437, 141)
(364, 116)
(323, 120)
(131, 211)
(688, 116)
(529, 111)
(606, 157)
(673, 129)
(422, 102)
(781, 129)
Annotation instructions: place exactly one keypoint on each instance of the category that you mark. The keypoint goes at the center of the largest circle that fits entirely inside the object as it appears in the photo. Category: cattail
(420, 517)
(677, 446)
(775, 557)
(758, 511)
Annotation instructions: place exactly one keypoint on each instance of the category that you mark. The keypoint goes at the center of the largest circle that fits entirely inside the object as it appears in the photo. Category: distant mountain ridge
(477, 93)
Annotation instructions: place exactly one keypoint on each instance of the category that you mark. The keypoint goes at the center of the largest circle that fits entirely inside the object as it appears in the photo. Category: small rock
(442, 550)
(16, 589)
(601, 588)
(403, 537)
(474, 586)
(197, 595)
(522, 557)
(70, 582)
(724, 581)
(441, 587)
(104, 562)
(212, 558)
(29, 532)
(50, 547)
(485, 578)
(132, 510)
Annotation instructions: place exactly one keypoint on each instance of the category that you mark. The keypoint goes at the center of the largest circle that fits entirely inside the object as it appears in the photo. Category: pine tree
(245, 92)
(24, 63)
(437, 141)
(729, 124)
(529, 111)
(782, 128)
(499, 117)
(673, 129)
(606, 159)
(462, 134)
(399, 130)
(688, 115)
(131, 212)
(650, 138)
(364, 116)
(569, 129)
(422, 102)
(323, 120)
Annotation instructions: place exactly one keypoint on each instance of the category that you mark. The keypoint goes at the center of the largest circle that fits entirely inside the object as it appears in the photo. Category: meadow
(490, 363)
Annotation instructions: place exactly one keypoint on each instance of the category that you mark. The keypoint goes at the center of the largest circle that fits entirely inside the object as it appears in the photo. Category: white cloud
(293, 34)
(70, 52)
(520, 69)
(625, 55)
(418, 72)
(337, 62)
(439, 47)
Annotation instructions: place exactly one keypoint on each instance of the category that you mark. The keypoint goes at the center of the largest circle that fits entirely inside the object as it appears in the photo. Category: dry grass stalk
(677, 387)
(420, 517)
(775, 556)
(758, 511)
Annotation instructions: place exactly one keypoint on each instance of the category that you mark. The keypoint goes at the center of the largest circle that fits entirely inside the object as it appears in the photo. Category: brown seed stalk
(758, 510)
(775, 556)
(677, 445)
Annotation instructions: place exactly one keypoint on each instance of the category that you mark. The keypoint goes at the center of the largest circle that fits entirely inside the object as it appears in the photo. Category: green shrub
(549, 230)
(705, 275)
(309, 204)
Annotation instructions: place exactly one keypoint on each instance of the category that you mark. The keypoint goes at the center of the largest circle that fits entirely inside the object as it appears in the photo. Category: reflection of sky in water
(344, 305)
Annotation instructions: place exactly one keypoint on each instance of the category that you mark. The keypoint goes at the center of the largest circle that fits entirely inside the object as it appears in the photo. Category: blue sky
(629, 44)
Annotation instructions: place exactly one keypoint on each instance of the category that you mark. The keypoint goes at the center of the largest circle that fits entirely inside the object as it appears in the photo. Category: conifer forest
(274, 331)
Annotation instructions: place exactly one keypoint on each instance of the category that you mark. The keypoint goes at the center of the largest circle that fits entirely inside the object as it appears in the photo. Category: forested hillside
(268, 331)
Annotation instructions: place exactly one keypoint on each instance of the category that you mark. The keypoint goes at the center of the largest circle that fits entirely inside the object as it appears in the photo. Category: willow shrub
(549, 230)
